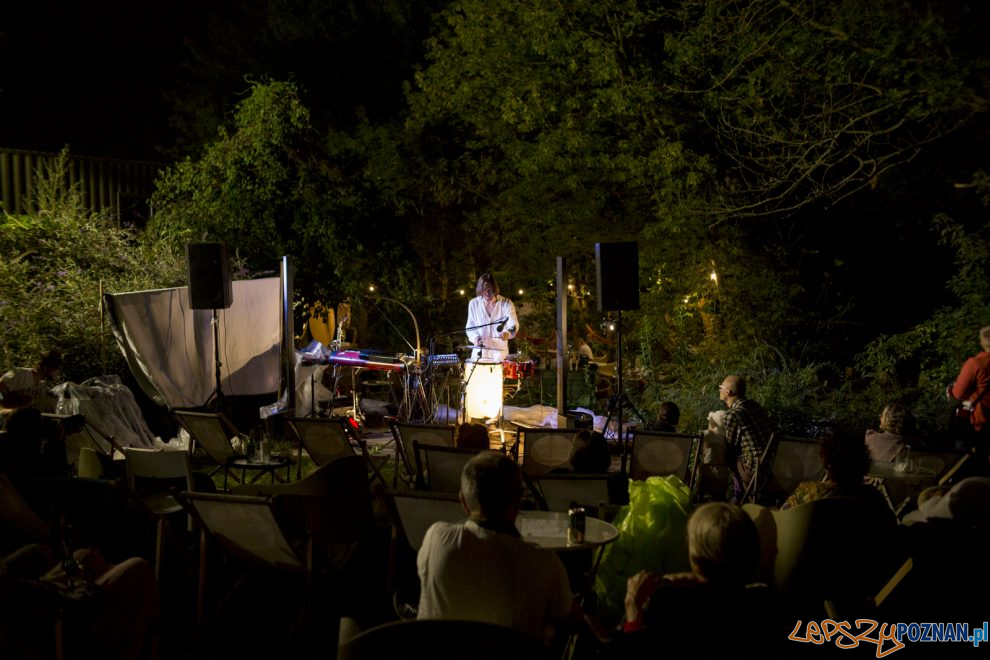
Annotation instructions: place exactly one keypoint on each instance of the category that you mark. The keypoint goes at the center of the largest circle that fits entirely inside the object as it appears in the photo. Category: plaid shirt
(747, 431)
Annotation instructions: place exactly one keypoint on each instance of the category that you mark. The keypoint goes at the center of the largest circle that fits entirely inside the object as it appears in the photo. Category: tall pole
(561, 336)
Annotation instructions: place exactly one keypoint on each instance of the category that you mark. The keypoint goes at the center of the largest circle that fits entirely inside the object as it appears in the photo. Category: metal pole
(561, 336)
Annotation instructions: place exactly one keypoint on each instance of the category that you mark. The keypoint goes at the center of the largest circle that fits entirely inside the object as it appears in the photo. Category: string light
(520, 292)
(714, 277)
(460, 292)
(371, 287)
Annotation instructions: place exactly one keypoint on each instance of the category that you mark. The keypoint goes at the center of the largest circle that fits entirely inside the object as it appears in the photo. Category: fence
(121, 187)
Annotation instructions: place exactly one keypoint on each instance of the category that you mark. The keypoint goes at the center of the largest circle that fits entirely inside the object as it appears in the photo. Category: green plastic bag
(652, 536)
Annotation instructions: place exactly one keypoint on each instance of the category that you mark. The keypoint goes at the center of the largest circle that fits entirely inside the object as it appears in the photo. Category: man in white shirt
(491, 321)
(482, 570)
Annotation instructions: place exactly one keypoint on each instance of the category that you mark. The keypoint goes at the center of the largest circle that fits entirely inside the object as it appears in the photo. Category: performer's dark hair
(486, 280)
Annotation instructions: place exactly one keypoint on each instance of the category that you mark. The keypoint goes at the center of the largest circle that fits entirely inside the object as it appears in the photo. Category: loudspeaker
(617, 266)
(209, 276)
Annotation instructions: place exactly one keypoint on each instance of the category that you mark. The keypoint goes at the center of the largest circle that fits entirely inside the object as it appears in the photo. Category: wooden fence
(121, 187)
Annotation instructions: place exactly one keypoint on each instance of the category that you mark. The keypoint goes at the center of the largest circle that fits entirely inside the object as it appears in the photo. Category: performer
(488, 307)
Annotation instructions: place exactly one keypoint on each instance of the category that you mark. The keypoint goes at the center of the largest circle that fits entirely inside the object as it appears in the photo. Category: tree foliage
(53, 267)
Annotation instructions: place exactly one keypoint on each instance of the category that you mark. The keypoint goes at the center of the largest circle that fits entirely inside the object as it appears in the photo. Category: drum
(517, 366)
(483, 389)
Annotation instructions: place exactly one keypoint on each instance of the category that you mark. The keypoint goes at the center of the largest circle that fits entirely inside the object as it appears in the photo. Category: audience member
(846, 460)
(896, 427)
(589, 453)
(747, 433)
(24, 386)
(472, 435)
(972, 385)
(668, 417)
(713, 608)
(482, 570)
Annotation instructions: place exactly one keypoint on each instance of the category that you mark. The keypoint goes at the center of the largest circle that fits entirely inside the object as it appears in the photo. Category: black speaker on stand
(210, 288)
(617, 268)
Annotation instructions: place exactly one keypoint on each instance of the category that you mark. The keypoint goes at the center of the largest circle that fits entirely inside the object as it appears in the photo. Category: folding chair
(795, 460)
(413, 513)
(166, 467)
(543, 450)
(213, 432)
(247, 529)
(324, 439)
(560, 492)
(760, 476)
(406, 435)
(443, 466)
(656, 453)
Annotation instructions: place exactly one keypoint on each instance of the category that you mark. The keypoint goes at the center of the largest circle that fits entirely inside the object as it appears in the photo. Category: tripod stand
(217, 396)
(620, 399)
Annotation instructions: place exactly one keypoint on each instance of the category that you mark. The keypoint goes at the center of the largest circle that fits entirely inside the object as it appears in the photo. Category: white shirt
(497, 349)
(470, 573)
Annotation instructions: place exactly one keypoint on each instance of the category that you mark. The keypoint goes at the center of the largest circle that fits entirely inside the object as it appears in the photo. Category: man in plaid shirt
(747, 431)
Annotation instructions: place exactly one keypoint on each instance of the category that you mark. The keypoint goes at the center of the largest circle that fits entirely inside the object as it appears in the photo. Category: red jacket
(973, 384)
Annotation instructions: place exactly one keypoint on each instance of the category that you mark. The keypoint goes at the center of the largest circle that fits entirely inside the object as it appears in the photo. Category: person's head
(669, 414)
(733, 387)
(897, 419)
(472, 435)
(491, 486)
(723, 544)
(846, 457)
(985, 337)
(589, 453)
(487, 286)
(50, 364)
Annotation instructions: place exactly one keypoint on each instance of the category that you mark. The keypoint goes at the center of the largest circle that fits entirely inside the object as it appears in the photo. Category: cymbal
(473, 348)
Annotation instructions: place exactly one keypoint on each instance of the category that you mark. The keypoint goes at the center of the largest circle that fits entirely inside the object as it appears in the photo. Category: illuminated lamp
(483, 392)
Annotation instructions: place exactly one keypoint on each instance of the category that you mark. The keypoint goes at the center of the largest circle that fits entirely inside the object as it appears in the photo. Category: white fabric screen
(169, 346)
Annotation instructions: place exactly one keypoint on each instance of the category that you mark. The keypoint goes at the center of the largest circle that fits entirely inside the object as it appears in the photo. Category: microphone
(501, 324)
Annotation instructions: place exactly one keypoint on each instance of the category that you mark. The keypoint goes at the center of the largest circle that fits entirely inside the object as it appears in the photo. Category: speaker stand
(217, 396)
(620, 399)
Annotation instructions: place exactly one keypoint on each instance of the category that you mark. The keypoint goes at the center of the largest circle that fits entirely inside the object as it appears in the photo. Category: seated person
(25, 386)
(471, 435)
(589, 453)
(847, 460)
(481, 569)
(896, 425)
(668, 417)
(714, 604)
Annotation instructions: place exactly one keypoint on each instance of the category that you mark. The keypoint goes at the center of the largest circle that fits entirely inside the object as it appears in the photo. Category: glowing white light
(520, 292)
(460, 291)
(611, 327)
(483, 396)
(714, 277)
(371, 287)
(570, 287)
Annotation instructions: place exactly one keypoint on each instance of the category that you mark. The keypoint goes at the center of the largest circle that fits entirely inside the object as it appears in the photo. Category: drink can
(575, 524)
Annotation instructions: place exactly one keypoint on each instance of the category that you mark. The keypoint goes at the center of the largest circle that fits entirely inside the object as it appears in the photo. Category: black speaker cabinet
(209, 276)
(617, 266)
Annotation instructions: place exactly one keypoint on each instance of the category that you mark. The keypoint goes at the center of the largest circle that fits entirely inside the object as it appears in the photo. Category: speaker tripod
(217, 396)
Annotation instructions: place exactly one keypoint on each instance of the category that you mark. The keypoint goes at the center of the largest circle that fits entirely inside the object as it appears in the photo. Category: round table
(271, 466)
(548, 529)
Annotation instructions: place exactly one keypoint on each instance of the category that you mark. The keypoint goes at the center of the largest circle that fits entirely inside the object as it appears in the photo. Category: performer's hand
(505, 336)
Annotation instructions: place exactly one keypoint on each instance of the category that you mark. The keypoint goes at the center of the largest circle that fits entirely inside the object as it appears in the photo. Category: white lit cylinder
(483, 393)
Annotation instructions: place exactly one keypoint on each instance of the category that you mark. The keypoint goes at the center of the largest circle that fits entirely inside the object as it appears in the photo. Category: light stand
(218, 391)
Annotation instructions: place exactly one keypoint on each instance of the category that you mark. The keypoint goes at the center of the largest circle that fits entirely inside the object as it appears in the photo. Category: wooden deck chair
(408, 434)
(559, 492)
(324, 438)
(835, 548)
(164, 468)
(875, 602)
(794, 461)
(213, 432)
(442, 640)
(247, 529)
(413, 513)
(443, 466)
(655, 453)
(542, 451)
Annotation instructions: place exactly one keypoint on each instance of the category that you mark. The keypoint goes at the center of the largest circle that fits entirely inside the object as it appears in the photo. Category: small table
(271, 466)
(548, 529)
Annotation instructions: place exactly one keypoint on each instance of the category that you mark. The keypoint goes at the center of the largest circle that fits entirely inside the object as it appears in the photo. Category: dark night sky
(89, 75)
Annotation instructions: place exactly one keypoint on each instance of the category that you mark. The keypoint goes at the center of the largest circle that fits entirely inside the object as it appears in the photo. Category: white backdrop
(169, 346)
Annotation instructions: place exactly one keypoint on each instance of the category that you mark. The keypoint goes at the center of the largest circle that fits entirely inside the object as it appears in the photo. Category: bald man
(747, 431)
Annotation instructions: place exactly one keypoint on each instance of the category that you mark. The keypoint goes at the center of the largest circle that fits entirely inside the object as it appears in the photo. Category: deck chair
(836, 548)
(559, 492)
(442, 640)
(324, 438)
(443, 466)
(247, 529)
(655, 453)
(162, 469)
(794, 461)
(213, 432)
(873, 604)
(406, 434)
(754, 489)
(413, 513)
(544, 450)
